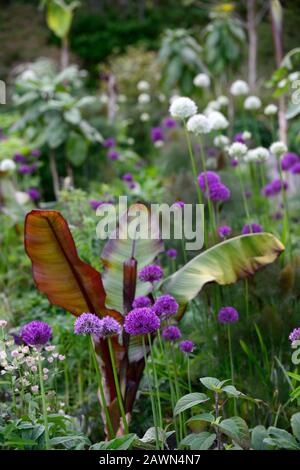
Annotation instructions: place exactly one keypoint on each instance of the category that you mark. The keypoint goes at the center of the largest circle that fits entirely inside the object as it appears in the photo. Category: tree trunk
(252, 49)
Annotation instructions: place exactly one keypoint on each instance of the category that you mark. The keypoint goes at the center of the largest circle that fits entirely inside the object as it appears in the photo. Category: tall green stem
(151, 394)
(193, 163)
(44, 404)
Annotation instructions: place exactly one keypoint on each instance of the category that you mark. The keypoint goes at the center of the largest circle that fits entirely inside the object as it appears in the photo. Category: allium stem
(100, 385)
(286, 235)
(44, 404)
(156, 384)
(210, 206)
(231, 362)
(117, 385)
(193, 163)
(151, 394)
(243, 193)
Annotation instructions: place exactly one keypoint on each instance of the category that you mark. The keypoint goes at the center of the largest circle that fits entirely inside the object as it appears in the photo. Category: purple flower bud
(36, 153)
(171, 253)
(208, 178)
(34, 194)
(165, 306)
(151, 273)
(19, 158)
(187, 346)
(228, 315)
(252, 228)
(25, 169)
(36, 333)
(295, 335)
(157, 134)
(109, 142)
(288, 160)
(224, 231)
(127, 177)
(142, 301)
(171, 333)
(113, 155)
(169, 123)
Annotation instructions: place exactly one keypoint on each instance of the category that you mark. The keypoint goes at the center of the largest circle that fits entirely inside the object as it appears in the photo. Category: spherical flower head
(157, 134)
(224, 231)
(295, 335)
(144, 98)
(95, 204)
(141, 301)
(171, 253)
(179, 204)
(234, 162)
(151, 273)
(35, 153)
(187, 346)
(109, 327)
(288, 160)
(278, 149)
(109, 142)
(36, 333)
(34, 194)
(239, 88)
(169, 123)
(252, 228)
(252, 103)
(202, 80)
(270, 110)
(198, 124)
(143, 85)
(7, 165)
(25, 169)
(144, 117)
(223, 100)
(141, 321)
(171, 333)
(113, 155)
(295, 170)
(3, 323)
(228, 315)
(218, 121)
(237, 150)
(259, 154)
(218, 192)
(127, 177)
(208, 178)
(221, 141)
(165, 306)
(182, 108)
(87, 324)
(277, 186)
(19, 158)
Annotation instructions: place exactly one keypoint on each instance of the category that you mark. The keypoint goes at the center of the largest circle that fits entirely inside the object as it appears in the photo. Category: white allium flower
(183, 108)
(7, 165)
(144, 117)
(237, 150)
(252, 103)
(130, 141)
(259, 154)
(218, 121)
(239, 88)
(270, 109)
(199, 124)
(246, 135)
(122, 98)
(21, 197)
(278, 148)
(143, 85)
(223, 100)
(162, 98)
(144, 98)
(159, 143)
(202, 80)
(213, 105)
(294, 76)
(221, 141)
(3, 323)
(282, 83)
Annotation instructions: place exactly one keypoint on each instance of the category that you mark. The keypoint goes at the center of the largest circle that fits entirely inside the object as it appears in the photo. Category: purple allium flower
(228, 315)
(218, 192)
(210, 177)
(157, 134)
(34, 194)
(141, 301)
(295, 170)
(239, 138)
(151, 273)
(224, 231)
(169, 123)
(127, 177)
(179, 204)
(187, 346)
(171, 333)
(87, 324)
(36, 153)
(95, 204)
(141, 321)
(36, 333)
(113, 155)
(295, 335)
(234, 162)
(252, 228)
(19, 158)
(109, 142)
(248, 194)
(109, 327)
(132, 185)
(165, 306)
(25, 169)
(288, 160)
(171, 253)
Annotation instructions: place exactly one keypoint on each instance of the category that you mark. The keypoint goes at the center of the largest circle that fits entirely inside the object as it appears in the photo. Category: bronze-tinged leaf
(57, 270)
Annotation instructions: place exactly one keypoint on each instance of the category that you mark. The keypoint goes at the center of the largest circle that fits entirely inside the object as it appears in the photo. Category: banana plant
(77, 287)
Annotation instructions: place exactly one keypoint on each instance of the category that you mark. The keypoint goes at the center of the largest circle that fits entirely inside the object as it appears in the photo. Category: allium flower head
(171, 252)
(144, 98)
(239, 88)
(217, 121)
(143, 85)
(295, 170)
(36, 333)
(3, 323)
(218, 192)
(141, 301)
(109, 142)
(202, 80)
(252, 103)
(187, 346)
(151, 273)
(87, 324)
(224, 231)
(165, 306)
(223, 100)
(221, 141)
(278, 149)
(171, 333)
(199, 124)
(141, 321)
(237, 150)
(183, 108)
(127, 177)
(7, 165)
(288, 160)
(34, 194)
(270, 110)
(109, 327)
(35, 153)
(169, 123)
(113, 155)
(19, 158)
(295, 335)
(25, 169)
(157, 134)
(259, 154)
(228, 315)
(209, 178)
(252, 228)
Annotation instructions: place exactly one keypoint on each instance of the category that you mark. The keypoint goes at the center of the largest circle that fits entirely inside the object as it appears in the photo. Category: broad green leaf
(188, 401)
(201, 441)
(212, 383)
(258, 434)
(237, 430)
(295, 423)
(76, 149)
(231, 391)
(59, 18)
(119, 443)
(281, 439)
(207, 417)
(224, 264)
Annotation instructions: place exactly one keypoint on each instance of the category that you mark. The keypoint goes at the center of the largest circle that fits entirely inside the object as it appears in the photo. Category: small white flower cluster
(7, 165)
(144, 98)
(221, 141)
(270, 110)
(252, 103)
(202, 80)
(143, 85)
(199, 124)
(218, 121)
(237, 150)
(258, 154)
(278, 149)
(239, 88)
(183, 108)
